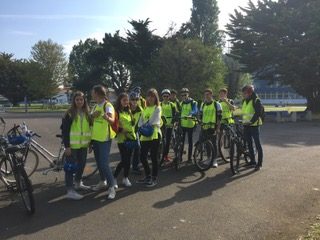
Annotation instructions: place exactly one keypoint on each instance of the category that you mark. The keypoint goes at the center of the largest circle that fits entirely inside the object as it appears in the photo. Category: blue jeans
(101, 152)
(79, 155)
(254, 133)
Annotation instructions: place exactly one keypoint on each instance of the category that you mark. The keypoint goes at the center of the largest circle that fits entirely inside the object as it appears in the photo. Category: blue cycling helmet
(146, 130)
(136, 89)
(134, 95)
(16, 140)
(70, 165)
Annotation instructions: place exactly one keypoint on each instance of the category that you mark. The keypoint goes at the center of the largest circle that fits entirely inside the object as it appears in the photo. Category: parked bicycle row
(143, 129)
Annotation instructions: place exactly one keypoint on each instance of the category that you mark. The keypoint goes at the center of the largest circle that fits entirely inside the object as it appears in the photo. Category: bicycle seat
(59, 135)
(12, 149)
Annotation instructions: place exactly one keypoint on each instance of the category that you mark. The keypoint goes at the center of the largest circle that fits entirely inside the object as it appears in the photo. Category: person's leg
(135, 160)
(154, 153)
(248, 140)
(255, 132)
(98, 158)
(105, 152)
(190, 142)
(168, 139)
(82, 159)
(184, 131)
(126, 162)
(145, 146)
(122, 151)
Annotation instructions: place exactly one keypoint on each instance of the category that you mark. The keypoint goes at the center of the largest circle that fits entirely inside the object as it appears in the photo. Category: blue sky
(23, 23)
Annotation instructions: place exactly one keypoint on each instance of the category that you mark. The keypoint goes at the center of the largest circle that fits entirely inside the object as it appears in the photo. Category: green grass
(313, 233)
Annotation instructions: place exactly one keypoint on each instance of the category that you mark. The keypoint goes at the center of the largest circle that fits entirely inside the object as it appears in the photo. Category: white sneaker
(126, 182)
(111, 193)
(72, 194)
(81, 186)
(215, 164)
(115, 184)
(100, 186)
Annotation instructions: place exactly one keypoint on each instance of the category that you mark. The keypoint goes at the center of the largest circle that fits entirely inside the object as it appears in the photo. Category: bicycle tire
(204, 154)
(178, 157)
(234, 158)
(224, 150)
(31, 162)
(6, 169)
(25, 189)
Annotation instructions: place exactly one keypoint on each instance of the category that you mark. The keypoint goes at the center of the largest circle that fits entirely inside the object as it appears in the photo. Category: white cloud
(98, 35)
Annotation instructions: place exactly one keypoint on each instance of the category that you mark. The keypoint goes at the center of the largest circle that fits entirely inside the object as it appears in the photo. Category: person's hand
(108, 117)
(68, 151)
(96, 114)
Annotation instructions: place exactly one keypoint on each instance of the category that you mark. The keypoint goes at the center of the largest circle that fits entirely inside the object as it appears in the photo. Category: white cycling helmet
(165, 91)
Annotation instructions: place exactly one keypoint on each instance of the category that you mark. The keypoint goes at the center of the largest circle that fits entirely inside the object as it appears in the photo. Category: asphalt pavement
(278, 202)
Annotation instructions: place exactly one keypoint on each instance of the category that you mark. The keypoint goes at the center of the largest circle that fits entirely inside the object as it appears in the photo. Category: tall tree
(279, 41)
(203, 23)
(187, 63)
(51, 57)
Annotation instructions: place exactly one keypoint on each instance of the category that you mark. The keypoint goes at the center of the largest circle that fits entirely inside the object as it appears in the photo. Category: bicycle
(22, 182)
(205, 149)
(56, 161)
(238, 147)
(177, 144)
(224, 144)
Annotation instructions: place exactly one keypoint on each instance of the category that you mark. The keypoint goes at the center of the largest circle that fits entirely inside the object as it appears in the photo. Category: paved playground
(279, 202)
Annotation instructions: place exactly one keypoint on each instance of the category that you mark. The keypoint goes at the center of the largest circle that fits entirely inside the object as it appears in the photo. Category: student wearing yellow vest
(141, 100)
(102, 134)
(76, 135)
(210, 113)
(251, 118)
(136, 111)
(189, 108)
(227, 107)
(168, 110)
(151, 116)
(174, 99)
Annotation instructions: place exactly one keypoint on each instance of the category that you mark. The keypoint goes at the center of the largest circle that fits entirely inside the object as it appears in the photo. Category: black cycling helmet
(184, 90)
(248, 89)
(173, 91)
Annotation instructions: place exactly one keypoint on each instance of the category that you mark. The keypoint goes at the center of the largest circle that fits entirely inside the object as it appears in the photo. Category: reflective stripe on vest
(146, 114)
(186, 109)
(167, 109)
(248, 112)
(209, 115)
(80, 133)
(101, 130)
(125, 122)
(226, 113)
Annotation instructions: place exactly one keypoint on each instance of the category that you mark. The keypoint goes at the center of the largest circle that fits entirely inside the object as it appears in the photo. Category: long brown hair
(118, 107)
(153, 92)
(72, 111)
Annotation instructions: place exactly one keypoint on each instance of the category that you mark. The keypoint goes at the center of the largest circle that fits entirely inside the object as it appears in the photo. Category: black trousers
(189, 131)
(153, 147)
(124, 163)
(253, 132)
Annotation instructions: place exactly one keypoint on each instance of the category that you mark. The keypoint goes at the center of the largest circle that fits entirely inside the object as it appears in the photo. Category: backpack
(115, 125)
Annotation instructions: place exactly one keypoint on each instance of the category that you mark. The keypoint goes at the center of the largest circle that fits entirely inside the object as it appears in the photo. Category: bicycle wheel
(234, 158)
(7, 171)
(204, 154)
(31, 161)
(177, 156)
(25, 189)
(224, 146)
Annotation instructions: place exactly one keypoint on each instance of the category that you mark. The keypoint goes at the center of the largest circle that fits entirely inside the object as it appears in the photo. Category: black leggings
(153, 147)
(125, 155)
(190, 141)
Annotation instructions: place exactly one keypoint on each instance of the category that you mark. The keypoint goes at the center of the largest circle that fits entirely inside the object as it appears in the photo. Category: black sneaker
(145, 180)
(251, 164)
(153, 182)
(136, 171)
(257, 168)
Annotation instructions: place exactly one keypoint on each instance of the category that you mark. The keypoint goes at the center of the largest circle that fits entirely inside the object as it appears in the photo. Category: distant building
(276, 94)
(4, 102)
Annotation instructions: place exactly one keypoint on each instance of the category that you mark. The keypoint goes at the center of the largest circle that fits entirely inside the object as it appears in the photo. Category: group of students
(140, 126)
